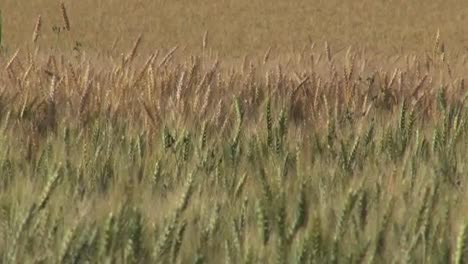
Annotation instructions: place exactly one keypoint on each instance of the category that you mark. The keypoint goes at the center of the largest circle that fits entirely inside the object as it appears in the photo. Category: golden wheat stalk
(167, 57)
(154, 122)
(180, 86)
(52, 88)
(328, 51)
(205, 40)
(266, 56)
(436, 43)
(65, 15)
(84, 99)
(145, 68)
(132, 53)
(206, 100)
(13, 58)
(37, 29)
(114, 44)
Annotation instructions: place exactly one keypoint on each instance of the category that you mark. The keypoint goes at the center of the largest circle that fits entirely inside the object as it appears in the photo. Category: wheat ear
(65, 15)
(37, 29)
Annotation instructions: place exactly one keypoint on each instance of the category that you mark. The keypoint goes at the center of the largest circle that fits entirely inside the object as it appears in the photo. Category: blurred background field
(238, 27)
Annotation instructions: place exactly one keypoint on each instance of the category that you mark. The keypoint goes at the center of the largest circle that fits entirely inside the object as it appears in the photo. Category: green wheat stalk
(164, 241)
(178, 241)
(262, 222)
(228, 257)
(66, 247)
(269, 122)
(301, 214)
(236, 237)
(462, 244)
(107, 236)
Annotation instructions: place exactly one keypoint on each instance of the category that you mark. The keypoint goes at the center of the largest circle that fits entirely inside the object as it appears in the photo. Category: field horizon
(238, 28)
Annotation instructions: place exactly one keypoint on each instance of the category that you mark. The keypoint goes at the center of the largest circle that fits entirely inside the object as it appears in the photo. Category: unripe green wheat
(178, 240)
(462, 245)
(269, 122)
(262, 222)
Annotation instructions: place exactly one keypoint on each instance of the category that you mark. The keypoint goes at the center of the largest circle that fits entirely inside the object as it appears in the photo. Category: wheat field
(233, 132)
